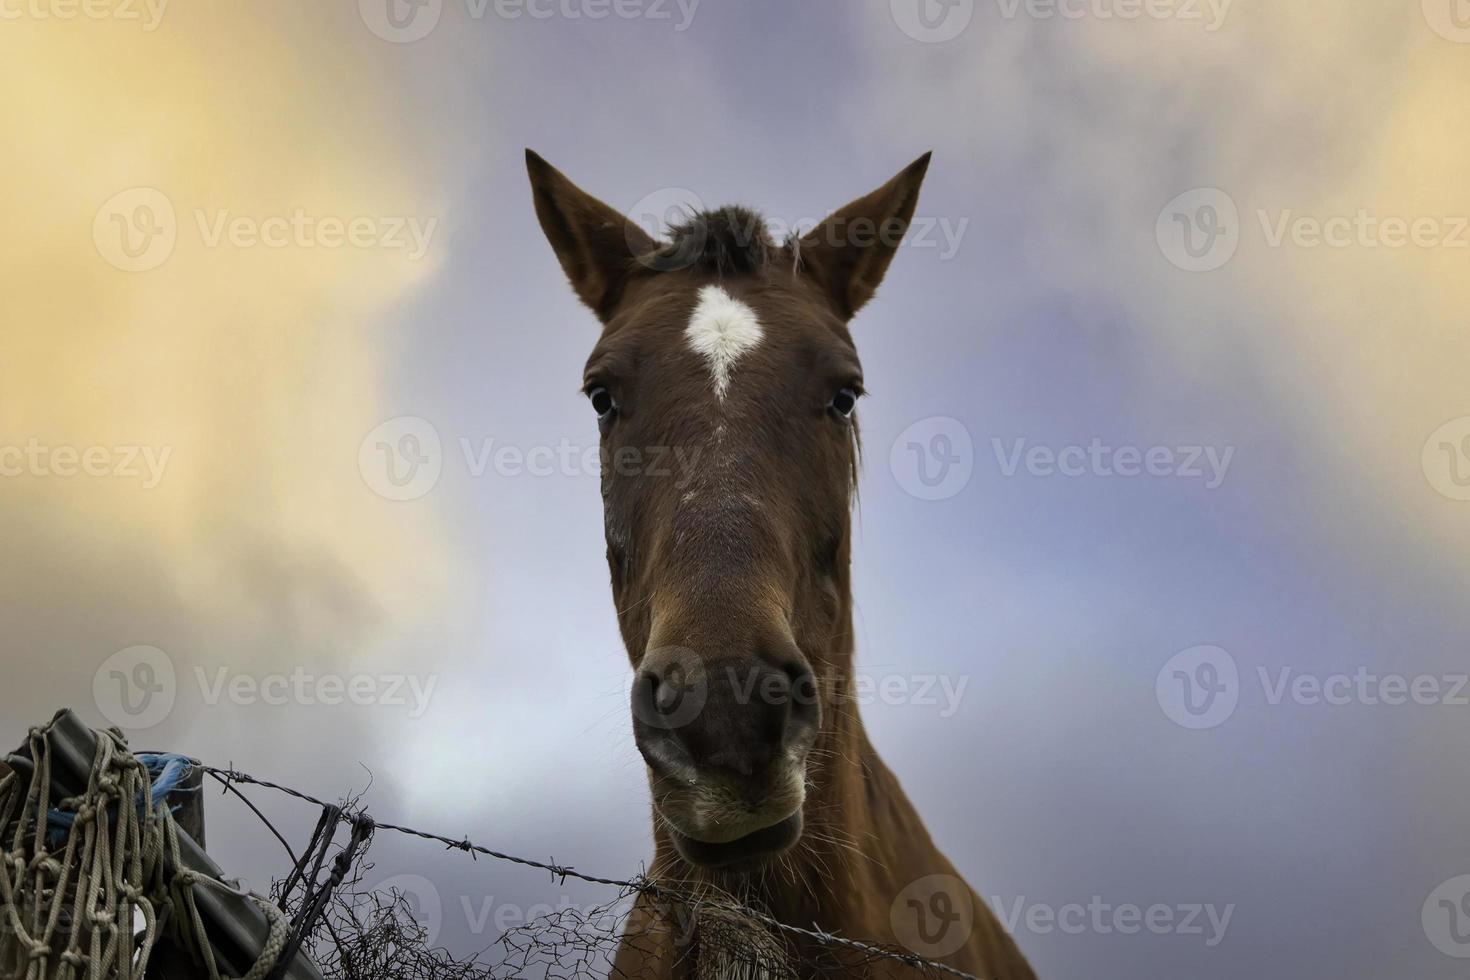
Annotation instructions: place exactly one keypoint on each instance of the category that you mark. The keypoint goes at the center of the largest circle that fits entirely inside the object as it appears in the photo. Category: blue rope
(166, 771)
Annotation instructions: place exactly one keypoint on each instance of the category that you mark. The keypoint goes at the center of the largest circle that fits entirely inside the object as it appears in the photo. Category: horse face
(724, 385)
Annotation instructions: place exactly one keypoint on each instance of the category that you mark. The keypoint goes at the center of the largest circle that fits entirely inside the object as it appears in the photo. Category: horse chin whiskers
(717, 809)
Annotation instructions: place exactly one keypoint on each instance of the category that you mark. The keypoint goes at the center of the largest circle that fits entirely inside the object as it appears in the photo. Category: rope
(77, 873)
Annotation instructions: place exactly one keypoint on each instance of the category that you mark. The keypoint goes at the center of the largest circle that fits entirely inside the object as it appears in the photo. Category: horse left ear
(597, 247)
(848, 253)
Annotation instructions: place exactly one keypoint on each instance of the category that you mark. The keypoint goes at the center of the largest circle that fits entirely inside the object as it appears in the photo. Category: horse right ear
(848, 254)
(597, 247)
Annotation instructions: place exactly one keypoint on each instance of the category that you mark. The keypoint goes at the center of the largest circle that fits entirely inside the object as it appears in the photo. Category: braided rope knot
(78, 872)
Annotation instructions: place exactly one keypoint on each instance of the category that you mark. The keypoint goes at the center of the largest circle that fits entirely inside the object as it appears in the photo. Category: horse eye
(844, 402)
(602, 402)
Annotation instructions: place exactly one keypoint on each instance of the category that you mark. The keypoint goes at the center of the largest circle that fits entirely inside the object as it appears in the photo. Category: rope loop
(79, 871)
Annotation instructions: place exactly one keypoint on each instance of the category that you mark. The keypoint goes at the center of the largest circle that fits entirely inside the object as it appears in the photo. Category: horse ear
(848, 253)
(597, 247)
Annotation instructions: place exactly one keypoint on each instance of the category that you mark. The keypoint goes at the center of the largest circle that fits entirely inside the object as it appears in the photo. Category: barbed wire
(639, 884)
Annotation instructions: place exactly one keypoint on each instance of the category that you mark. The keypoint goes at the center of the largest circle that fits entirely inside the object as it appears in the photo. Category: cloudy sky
(1185, 309)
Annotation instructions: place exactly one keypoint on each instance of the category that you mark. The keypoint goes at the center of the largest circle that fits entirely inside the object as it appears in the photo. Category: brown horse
(732, 585)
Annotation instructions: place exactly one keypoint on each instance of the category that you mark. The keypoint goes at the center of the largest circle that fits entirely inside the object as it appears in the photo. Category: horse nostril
(657, 720)
(655, 702)
(806, 707)
(645, 696)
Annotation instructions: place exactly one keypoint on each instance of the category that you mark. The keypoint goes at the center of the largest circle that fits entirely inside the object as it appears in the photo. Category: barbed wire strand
(640, 884)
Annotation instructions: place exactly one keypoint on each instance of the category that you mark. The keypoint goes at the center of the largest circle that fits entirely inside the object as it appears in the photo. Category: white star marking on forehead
(721, 329)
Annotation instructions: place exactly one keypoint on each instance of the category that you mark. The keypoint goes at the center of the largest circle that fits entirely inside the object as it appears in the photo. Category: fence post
(187, 803)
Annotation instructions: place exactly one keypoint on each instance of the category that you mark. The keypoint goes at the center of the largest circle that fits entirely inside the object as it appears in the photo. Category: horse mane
(725, 241)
